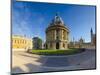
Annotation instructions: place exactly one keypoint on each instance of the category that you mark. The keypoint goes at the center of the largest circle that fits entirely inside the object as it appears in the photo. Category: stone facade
(57, 34)
(82, 44)
(21, 43)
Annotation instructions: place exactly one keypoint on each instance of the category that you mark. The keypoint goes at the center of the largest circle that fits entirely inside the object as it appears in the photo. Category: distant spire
(57, 13)
(24, 35)
(73, 39)
(58, 19)
(81, 38)
(91, 35)
(91, 31)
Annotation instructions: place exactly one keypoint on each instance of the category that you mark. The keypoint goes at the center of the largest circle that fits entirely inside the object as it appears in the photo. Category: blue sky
(32, 18)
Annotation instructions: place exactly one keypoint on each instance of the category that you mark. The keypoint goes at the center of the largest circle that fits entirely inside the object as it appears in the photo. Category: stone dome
(57, 20)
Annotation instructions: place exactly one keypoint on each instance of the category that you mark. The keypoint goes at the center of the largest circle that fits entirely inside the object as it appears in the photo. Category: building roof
(57, 23)
(20, 37)
(57, 20)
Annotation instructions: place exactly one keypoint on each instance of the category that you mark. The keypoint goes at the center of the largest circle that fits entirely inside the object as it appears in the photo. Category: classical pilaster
(54, 45)
(62, 34)
(55, 34)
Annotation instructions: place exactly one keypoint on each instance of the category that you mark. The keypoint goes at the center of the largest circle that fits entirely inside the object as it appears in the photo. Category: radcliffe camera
(52, 37)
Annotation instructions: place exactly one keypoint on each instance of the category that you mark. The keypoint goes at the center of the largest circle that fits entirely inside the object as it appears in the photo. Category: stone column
(54, 45)
(48, 36)
(55, 34)
(65, 35)
(66, 45)
(62, 34)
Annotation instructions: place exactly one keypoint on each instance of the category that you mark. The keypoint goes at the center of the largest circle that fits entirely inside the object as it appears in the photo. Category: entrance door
(57, 45)
(46, 46)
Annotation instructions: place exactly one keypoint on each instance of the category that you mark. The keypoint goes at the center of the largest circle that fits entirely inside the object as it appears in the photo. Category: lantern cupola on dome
(57, 20)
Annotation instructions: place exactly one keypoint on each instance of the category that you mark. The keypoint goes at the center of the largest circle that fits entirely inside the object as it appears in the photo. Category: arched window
(57, 34)
(63, 45)
(57, 45)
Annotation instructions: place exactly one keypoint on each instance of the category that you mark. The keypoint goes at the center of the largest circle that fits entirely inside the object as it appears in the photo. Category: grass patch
(57, 52)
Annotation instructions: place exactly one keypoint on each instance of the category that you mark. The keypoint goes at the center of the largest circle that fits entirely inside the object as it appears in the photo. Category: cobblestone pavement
(23, 62)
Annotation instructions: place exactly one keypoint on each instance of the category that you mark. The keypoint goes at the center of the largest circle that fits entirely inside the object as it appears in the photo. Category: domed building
(57, 34)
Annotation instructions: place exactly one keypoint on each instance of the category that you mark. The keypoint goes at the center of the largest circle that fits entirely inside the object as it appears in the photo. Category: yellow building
(20, 43)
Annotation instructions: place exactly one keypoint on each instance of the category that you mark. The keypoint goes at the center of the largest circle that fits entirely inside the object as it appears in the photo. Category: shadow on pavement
(17, 70)
(56, 62)
(34, 68)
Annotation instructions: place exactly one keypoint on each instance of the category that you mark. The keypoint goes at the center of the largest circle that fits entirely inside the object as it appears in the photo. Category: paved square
(23, 62)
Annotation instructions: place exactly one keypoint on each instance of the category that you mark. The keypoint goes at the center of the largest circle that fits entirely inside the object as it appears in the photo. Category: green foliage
(39, 41)
(56, 52)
